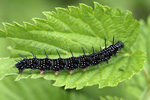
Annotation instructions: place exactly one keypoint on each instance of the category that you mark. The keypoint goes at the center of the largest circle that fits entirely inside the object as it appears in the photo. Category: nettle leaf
(143, 41)
(75, 28)
(139, 84)
(27, 92)
(110, 98)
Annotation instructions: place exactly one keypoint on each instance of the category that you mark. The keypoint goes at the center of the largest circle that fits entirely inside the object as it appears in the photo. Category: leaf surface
(138, 86)
(75, 28)
(110, 98)
(26, 90)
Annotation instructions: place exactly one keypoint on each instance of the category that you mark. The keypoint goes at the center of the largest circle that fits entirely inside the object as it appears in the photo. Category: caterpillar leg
(56, 73)
(71, 72)
(41, 72)
(85, 69)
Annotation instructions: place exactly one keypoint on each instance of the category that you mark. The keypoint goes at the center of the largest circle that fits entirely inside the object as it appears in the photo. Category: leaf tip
(85, 7)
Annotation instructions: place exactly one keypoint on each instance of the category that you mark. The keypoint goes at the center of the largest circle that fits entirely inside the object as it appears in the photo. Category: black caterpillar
(69, 63)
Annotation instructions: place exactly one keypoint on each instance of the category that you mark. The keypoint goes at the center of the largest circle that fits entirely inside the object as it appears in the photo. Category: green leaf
(110, 98)
(136, 86)
(143, 41)
(75, 28)
(26, 90)
(139, 85)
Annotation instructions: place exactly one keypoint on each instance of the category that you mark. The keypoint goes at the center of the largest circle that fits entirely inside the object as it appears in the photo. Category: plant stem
(146, 94)
(147, 78)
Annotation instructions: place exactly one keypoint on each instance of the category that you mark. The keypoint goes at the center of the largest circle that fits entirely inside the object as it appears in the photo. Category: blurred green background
(25, 10)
